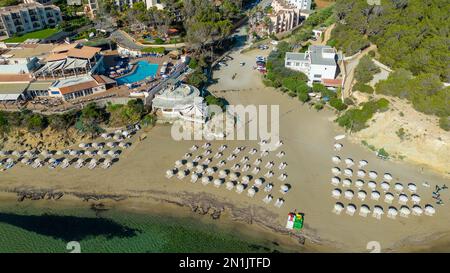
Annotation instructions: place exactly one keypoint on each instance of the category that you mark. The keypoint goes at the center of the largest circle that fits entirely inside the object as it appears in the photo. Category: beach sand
(308, 137)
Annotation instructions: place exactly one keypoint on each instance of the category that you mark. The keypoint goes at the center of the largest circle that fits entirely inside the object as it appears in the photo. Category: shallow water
(25, 228)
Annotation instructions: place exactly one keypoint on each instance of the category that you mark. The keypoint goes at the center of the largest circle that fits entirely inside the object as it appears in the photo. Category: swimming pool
(143, 70)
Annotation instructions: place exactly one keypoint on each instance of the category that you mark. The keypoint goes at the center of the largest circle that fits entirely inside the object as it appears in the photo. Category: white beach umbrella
(336, 170)
(89, 153)
(178, 163)
(181, 174)
(59, 152)
(392, 212)
(364, 210)
(349, 162)
(412, 187)
(398, 187)
(229, 185)
(239, 188)
(281, 154)
(231, 157)
(362, 195)
(206, 145)
(377, 212)
(362, 163)
(105, 136)
(253, 151)
(359, 183)
(388, 197)
(209, 170)
(269, 165)
(187, 155)
(222, 148)
(284, 188)
(336, 159)
(417, 210)
(207, 161)
(387, 177)
(169, 173)
(361, 173)
(45, 153)
(405, 211)
(338, 207)
(348, 172)
(346, 182)
(415, 198)
(375, 195)
(51, 160)
(82, 145)
(233, 175)
(246, 178)
(222, 174)
(217, 182)
(193, 148)
(429, 210)
(189, 165)
(118, 137)
(351, 209)
(101, 145)
(258, 182)
(206, 180)
(373, 175)
(385, 185)
(111, 144)
(336, 193)
(348, 194)
(207, 152)
(251, 192)
(372, 185)
(194, 177)
(244, 159)
(118, 131)
(257, 162)
(335, 180)
(338, 146)
(403, 199)
(200, 168)
(218, 155)
(80, 160)
(269, 174)
(125, 133)
(25, 160)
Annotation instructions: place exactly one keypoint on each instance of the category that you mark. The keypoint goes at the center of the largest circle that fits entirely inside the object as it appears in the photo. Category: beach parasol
(377, 212)
(398, 187)
(251, 192)
(351, 209)
(385, 185)
(417, 210)
(348, 194)
(392, 212)
(239, 188)
(193, 148)
(405, 211)
(258, 182)
(338, 146)
(373, 175)
(336, 193)
(346, 182)
(229, 185)
(364, 210)
(222, 174)
(349, 162)
(194, 177)
(359, 183)
(335, 180)
(178, 163)
(233, 176)
(361, 173)
(387, 177)
(388, 197)
(336, 170)
(362, 163)
(372, 185)
(206, 180)
(429, 210)
(189, 165)
(82, 145)
(336, 159)
(403, 199)
(257, 161)
(415, 198)
(209, 170)
(217, 182)
(375, 195)
(284, 188)
(412, 187)
(362, 195)
(281, 154)
(338, 207)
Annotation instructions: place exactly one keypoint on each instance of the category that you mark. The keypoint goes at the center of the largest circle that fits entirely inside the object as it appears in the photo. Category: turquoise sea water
(143, 70)
(25, 228)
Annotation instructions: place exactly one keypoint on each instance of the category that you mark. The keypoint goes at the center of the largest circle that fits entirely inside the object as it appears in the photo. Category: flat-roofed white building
(319, 63)
(76, 87)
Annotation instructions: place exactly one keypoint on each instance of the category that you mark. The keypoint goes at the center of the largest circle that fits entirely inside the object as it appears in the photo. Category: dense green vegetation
(320, 18)
(5, 3)
(159, 50)
(426, 93)
(365, 70)
(410, 34)
(213, 100)
(355, 119)
(89, 120)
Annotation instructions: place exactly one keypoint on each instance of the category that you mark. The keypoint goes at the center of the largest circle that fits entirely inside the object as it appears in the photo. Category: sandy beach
(138, 178)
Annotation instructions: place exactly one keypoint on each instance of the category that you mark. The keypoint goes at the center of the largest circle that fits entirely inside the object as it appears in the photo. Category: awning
(8, 97)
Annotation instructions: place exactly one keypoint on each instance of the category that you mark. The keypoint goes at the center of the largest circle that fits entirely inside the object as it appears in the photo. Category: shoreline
(158, 203)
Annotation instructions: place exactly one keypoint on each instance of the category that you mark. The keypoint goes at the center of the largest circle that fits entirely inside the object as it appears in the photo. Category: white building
(301, 4)
(23, 58)
(76, 87)
(319, 63)
(180, 101)
(23, 18)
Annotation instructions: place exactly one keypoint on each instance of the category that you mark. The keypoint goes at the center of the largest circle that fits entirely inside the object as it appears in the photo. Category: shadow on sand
(68, 228)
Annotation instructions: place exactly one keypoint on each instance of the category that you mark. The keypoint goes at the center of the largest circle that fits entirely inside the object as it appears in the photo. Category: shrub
(365, 70)
(444, 123)
(337, 104)
(361, 87)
